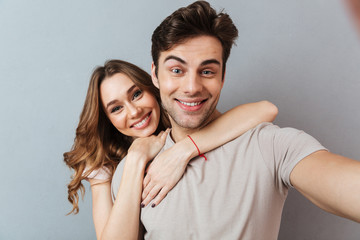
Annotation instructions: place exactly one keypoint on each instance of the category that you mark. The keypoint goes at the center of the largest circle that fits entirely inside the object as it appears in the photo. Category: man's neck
(178, 133)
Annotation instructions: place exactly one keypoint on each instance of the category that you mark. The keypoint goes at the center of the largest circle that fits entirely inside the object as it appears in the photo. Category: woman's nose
(133, 110)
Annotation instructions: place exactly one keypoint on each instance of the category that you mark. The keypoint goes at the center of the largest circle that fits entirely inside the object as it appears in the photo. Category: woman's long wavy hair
(97, 142)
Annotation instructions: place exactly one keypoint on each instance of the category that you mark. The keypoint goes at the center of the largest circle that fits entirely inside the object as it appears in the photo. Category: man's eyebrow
(210, 61)
(206, 62)
(174, 58)
(115, 100)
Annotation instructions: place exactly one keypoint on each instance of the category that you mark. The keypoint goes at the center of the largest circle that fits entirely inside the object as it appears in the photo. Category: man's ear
(153, 75)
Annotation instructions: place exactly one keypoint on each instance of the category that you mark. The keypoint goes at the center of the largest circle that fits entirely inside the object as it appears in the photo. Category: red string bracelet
(201, 155)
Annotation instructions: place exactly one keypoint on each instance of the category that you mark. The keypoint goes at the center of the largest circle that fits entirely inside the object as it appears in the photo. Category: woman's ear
(153, 75)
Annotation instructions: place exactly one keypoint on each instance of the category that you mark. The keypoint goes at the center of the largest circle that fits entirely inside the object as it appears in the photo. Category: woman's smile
(144, 122)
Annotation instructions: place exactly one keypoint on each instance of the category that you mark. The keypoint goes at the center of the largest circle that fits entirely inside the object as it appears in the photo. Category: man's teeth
(190, 104)
(142, 122)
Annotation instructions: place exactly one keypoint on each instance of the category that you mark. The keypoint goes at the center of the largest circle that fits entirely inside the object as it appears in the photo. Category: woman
(122, 116)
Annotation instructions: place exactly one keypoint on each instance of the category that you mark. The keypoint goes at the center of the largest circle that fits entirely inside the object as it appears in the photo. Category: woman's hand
(147, 148)
(165, 171)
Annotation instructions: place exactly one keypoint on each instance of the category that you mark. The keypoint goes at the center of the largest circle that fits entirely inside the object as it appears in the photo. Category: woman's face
(132, 111)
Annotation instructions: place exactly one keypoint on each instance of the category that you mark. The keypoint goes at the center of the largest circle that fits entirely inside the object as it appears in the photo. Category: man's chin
(190, 124)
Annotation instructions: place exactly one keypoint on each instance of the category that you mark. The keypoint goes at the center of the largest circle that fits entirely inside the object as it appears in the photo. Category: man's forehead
(197, 49)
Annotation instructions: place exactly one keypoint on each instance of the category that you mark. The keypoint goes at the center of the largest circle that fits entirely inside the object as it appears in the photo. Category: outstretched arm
(168, 167)
(330, 181)
(121, 220)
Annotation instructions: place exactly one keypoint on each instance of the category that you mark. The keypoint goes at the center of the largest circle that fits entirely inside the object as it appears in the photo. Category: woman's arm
(231, 125)
(101, 204)
(122, 221)
(167, 168)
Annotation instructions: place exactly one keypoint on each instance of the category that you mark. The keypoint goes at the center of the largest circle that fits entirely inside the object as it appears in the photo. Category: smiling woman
(132, 111)
(98, 143)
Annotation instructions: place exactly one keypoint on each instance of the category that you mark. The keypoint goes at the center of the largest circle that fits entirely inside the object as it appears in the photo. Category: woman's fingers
(164, 135)
(147, 190)
(161, 195)
(151, 195)
(148, 147)
(157, 194)
(156, 143)
(146, 181)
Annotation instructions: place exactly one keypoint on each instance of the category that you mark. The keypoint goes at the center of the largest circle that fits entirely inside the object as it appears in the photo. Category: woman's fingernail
(153, 205)
(142, 205)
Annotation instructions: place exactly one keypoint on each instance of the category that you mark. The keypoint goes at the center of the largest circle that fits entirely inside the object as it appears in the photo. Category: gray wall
(304, 56)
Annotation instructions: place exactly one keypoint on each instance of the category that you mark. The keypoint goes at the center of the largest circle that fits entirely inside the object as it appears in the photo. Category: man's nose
(192, 83)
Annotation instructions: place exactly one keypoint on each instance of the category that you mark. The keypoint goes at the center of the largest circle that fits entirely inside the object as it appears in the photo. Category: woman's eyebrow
(115, 100)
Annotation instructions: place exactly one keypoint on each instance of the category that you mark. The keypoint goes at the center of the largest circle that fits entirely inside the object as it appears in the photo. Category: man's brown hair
(197, 19)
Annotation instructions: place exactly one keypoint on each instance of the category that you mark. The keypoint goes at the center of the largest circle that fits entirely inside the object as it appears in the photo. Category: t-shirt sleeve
(102, 174)
(283, 148)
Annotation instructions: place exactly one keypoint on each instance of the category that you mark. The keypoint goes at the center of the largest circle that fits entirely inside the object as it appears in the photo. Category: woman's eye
(176, 70)
(115, 109)
(137, 94)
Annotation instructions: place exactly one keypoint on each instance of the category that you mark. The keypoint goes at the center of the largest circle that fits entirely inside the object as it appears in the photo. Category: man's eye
(137, 94)
(176, 70)
(115, 109)
(207, 72)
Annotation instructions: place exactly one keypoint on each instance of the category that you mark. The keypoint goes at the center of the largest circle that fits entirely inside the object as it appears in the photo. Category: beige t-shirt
(238, 193)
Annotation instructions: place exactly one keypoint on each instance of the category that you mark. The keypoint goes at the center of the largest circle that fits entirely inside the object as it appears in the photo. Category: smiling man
(190, 76)
(239, 192)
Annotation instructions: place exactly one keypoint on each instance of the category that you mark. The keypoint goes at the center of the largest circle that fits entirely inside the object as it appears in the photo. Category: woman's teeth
(142, 122)
(190, 104)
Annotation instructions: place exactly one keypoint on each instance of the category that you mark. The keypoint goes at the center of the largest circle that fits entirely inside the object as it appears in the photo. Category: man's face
(190, 81)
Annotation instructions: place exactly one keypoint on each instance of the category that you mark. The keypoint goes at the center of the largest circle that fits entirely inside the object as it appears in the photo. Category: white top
(99, 174)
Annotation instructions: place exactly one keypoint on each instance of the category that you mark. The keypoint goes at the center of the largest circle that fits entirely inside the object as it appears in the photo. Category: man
(239, 192)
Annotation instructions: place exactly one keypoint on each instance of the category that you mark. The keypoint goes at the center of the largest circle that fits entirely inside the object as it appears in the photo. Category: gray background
(302, 55)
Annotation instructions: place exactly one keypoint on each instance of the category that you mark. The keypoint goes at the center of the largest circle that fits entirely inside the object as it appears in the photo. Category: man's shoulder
(249, 139)
(265, 128)
(120, 166)
(116, 178)
(268, 128)
(263, 133)
(271, 136)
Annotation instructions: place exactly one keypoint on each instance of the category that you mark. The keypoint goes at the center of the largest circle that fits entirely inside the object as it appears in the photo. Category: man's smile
(191, 105)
